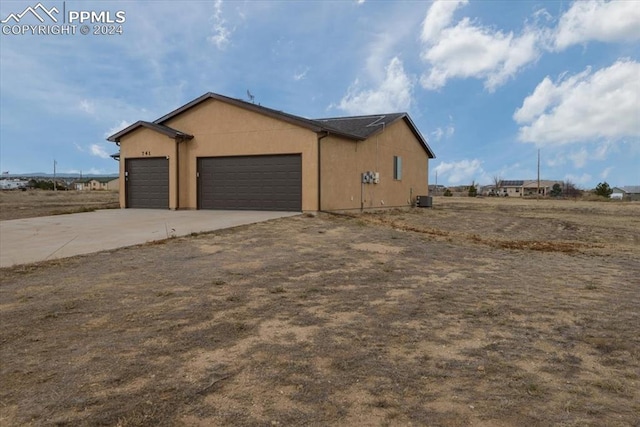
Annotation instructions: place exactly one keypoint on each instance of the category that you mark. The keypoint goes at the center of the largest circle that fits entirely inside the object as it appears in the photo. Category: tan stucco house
(107, 183)
(217, 152)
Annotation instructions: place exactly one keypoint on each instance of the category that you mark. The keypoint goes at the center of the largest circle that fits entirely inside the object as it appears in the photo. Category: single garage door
(269, 183)
(147, 183)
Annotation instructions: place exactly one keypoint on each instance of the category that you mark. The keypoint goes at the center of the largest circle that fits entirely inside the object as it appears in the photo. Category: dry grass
(33, 203)
(447, 316)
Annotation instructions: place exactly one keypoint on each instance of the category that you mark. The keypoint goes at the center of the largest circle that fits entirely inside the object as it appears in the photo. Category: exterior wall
(113, 185)
(511, 191)
(221, 129)
(143, 143)
(94, 184)
(344, 161)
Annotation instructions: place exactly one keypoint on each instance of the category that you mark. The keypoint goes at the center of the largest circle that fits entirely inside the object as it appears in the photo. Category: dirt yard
(488, 312)
(32, 203)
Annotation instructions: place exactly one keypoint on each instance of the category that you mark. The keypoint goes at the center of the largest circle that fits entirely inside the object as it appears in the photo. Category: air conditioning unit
(369, 177)
(376, 177)
(424, 201)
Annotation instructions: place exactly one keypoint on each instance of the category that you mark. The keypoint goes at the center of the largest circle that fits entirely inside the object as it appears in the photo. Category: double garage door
(270, 183)
(239, 183)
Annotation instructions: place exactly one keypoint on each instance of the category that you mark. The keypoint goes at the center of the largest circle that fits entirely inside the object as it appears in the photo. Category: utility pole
(538, 192)
(436, 182)
(55, 188)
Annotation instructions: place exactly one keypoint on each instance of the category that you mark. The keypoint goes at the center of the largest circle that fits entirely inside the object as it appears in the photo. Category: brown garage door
(147, 183)
(268, 183)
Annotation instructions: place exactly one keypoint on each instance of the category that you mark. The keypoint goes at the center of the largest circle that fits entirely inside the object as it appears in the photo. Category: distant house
(628, 192)
(436, 190)
(13, 184)
(511, 188)
(520, 188)
(530, 188)
(107, 183)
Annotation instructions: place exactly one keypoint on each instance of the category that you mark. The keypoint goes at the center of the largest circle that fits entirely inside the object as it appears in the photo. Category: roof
(629, 189)
(170, 132)
(533, 183)
(99, 179)
(512, 183)
(365, 126)
(357, 128)
(297, 120)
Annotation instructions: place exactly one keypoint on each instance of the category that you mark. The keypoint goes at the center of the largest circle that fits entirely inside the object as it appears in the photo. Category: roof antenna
(251, 97)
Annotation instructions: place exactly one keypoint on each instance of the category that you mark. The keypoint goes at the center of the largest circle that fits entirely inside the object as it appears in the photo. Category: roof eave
(171, 133)
(418, 135)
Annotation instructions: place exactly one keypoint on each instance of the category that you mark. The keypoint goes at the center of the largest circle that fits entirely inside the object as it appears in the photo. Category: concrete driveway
(24, 241)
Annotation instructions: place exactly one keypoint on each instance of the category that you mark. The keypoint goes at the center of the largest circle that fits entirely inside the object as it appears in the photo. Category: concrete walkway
(24, 241)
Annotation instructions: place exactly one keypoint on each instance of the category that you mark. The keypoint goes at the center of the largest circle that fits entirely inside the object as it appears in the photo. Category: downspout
(178, 173)
(326, 134)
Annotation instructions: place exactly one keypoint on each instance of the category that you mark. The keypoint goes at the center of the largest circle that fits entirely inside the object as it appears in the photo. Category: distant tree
(46, 184)
(497, 183)
(556, 190)
(473, 190)
(603, 189)
(447, 193)
(571, 190)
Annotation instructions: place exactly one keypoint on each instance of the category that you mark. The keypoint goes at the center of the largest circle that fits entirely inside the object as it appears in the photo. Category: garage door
(147, 183)
(271, 183)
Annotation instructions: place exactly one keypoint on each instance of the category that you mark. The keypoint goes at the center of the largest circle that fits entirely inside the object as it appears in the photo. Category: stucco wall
(221, 129)
(344, 161)
(146, 143)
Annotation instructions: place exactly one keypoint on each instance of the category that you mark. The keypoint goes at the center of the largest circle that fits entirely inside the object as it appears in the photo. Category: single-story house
(628, 192)
(520, 188)
(13, 184)
(106, 183)
(217, 152)
(530, 188)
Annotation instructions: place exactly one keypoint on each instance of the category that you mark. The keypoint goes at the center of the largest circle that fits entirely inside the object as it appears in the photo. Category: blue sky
(487, 82)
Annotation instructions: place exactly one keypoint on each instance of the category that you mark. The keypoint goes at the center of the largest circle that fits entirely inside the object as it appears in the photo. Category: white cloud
(447, 132)
(471, 50)
(584, 107)
(557, 160)
(117, 128)
(605, 173)
(579, 158)
(612, 21)
(392, 95)
(463, 171)
(87, 106)
(98, 151)
(577, 179)
(438, 17)
(301, 75)
(222, 34)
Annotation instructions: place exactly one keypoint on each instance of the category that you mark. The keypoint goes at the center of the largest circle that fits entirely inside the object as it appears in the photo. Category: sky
(488, 83)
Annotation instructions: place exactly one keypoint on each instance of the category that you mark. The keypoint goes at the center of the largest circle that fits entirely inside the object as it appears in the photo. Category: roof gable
(366, 126)
(166, 130)
(312, 125)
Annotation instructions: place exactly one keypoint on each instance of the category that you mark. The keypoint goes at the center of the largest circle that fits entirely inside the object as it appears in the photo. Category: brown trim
(325, 134)
(166, 130)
